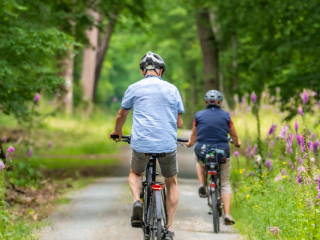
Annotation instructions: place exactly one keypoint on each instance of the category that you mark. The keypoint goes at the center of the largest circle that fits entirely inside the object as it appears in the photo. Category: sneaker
(136, 219)
(228, 220)
(169, 236)
(202, 192)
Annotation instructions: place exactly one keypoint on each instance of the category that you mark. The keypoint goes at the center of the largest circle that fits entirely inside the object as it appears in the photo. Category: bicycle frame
(152, 196)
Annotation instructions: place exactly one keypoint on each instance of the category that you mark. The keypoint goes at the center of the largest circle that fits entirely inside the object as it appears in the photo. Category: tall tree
(209, 48)
(102, 51)
(89, 59)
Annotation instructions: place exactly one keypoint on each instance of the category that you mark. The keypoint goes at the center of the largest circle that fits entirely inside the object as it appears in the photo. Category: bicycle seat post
(154, 168)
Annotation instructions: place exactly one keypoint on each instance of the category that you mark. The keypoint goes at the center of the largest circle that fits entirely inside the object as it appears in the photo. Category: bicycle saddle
(155, 155)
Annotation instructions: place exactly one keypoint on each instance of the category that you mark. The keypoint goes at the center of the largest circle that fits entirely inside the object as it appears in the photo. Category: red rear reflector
(157, 187)
(213, 185)
(212, 173)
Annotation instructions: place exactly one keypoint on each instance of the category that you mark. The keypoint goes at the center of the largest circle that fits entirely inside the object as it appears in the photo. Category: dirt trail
(102, 210)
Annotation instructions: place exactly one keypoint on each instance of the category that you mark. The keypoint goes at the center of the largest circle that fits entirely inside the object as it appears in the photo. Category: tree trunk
(89, 62)
(101, 53)
(67, 73)
(234, 62)
(209, 49)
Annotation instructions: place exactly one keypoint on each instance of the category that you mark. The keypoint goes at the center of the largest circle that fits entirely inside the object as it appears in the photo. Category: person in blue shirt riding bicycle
(157, 109)
(211, 127)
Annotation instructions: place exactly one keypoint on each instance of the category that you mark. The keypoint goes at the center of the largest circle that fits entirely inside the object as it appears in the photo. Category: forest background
(79, 57)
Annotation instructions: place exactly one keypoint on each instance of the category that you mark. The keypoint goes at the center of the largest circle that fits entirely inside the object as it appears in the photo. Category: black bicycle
(153, 197)
(214, 158)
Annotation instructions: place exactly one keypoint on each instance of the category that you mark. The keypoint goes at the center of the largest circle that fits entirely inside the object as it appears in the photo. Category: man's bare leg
(172, 198)
(201, 174)
(135, 184)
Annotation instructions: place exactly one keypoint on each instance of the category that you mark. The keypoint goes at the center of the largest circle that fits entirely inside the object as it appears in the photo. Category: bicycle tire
(159, 229)
(215, 214)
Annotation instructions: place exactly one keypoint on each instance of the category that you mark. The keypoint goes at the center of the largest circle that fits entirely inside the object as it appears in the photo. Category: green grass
(75, 163)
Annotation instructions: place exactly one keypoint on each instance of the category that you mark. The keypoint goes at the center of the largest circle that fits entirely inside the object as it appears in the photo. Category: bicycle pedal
(136, 224)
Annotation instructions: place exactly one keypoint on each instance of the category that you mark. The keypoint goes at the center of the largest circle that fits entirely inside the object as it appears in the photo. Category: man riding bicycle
(211, 127)
(157, 109)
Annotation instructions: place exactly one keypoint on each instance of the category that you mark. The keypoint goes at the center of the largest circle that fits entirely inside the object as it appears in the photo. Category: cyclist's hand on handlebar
(119, 133)
(188, 144)
(239, 144)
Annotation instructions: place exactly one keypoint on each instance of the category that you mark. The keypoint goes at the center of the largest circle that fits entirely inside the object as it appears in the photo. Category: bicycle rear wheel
(215, 213)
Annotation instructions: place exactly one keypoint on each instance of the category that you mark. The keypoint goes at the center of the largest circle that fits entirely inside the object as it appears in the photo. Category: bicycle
(153, 197)
(214, 158)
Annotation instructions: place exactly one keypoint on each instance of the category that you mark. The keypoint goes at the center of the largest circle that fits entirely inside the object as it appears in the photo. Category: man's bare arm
(121, 119)
(234, 136)
(193, 137)
(179, 121)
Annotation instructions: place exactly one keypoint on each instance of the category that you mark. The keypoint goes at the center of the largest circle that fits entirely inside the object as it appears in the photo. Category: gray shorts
(168, 164)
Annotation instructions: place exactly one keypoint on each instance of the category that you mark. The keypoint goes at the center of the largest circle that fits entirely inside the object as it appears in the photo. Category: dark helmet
(151, 61)
(214, 98)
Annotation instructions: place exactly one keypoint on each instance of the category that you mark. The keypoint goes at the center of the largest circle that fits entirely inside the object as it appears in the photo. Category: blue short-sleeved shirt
(156, 104)
(213, 125)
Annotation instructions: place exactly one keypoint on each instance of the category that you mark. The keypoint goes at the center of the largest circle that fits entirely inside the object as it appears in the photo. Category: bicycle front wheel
(215, 213)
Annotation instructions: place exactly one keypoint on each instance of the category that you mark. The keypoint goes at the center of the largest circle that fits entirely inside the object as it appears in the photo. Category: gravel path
(102, 210)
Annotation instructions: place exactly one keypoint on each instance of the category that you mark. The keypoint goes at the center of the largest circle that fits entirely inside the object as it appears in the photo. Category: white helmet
(151, 61)
(214, 98)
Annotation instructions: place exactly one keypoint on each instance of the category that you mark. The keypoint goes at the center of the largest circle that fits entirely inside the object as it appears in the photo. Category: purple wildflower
(248, 150)
(49, 144)
(296, 126)
(278, 89)
(283, 172)
(289, 140)
(269, 164)
(236, 154)
(258, 159)
(2, 166)
(300, 142)
(315, 145)
(305, 97)
(277, 178)
(30, 152)
(269, 154)
(252, 174)
(313, 135)
(299, 180)
(272, 98)
(318, 181)
(310, 145)
(4, 139)
(312, 159)
(255, 149)
(37, 98)
(300, 111)
(271, 144)
(272, 129)
(115, 99)
(275, 230)
(289, 163)
(10, 149)
(283, 131)
(251, 155)
(254, 98)
(299, 159)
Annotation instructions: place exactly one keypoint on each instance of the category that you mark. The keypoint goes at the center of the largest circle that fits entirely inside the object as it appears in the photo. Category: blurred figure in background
(211, 127)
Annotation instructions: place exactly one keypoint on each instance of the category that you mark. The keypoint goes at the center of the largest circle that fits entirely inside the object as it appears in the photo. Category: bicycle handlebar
(182, 140)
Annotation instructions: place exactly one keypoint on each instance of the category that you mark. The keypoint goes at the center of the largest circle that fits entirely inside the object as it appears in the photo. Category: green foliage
(170, 32)
(276, 45)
